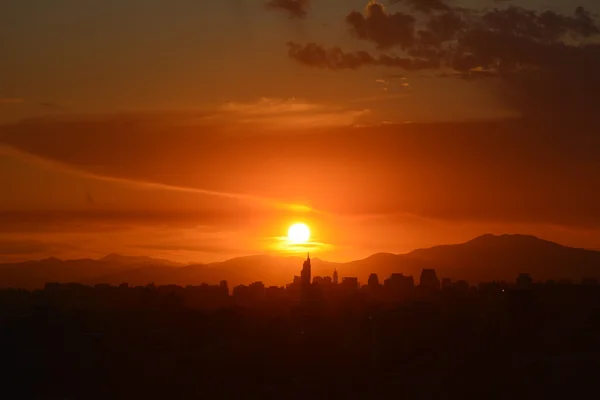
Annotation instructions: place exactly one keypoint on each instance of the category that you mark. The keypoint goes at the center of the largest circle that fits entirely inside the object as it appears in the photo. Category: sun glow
(299, 234)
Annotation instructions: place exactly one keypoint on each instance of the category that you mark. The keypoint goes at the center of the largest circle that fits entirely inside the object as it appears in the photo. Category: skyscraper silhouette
(429, 280)
(373, 280)
(335, 277)
(305, 275)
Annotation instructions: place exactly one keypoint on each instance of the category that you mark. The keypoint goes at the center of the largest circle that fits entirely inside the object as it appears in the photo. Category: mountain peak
(122, 259)
(508, 238)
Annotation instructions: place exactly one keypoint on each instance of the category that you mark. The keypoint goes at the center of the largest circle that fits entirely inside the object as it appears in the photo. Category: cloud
(12, 247)
(295, 8)
(19, 249)
(52, 106)
(424, 6)
(526, 171)
(291, 114)
(334, 58)
(396, 76)
(382, 28)
(216, 213)
(546, 61)
(270, 106)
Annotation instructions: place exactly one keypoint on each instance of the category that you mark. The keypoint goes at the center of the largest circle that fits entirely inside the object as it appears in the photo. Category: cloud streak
(294, 8)
(517, 171)
(334, 58)
(424, 6)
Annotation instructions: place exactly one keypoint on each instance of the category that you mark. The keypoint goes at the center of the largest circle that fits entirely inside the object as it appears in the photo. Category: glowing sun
(299, 233)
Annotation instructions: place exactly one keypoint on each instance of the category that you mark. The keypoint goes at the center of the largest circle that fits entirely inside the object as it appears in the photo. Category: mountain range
(484, 258)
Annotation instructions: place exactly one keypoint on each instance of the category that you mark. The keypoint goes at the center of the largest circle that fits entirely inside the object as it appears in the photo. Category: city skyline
(483, 259)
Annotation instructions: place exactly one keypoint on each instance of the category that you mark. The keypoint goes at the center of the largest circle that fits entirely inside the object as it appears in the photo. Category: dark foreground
(485, 344)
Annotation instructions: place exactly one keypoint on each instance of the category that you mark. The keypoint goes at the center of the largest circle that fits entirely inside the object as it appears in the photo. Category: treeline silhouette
(318, 340)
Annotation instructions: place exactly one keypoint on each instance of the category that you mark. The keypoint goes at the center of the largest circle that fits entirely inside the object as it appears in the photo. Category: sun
(299, 233)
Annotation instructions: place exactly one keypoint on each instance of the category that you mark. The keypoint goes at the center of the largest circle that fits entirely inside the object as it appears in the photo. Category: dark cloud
(52, 106)
(334, 58)
(526, 171)
(501, 39)
(295, 8)
(545, 27)
(220, 214)
(386, 30)
(545, 60)
(443, 27)
(424, 6)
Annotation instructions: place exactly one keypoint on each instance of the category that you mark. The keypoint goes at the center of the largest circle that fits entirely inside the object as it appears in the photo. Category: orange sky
(141, 129)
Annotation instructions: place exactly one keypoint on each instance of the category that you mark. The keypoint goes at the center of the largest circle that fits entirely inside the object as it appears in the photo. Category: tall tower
(306, 273)
(335, 277)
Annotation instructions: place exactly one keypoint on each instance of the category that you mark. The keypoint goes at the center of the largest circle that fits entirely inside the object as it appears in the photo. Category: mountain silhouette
(484, 258)
(130, 260)
(35, 274)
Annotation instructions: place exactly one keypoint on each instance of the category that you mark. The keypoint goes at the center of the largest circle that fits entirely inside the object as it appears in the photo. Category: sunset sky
(201, 130)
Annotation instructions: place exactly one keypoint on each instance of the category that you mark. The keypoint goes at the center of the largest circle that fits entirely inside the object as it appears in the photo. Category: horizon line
(272, 254)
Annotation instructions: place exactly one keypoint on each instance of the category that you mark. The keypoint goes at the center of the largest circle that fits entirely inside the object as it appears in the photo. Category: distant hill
(489, 258)
(484, 258)
(35, 274)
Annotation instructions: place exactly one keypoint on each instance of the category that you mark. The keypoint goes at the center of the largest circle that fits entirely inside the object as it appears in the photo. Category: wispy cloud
(294, 8)
(291, 114)
(340, 170)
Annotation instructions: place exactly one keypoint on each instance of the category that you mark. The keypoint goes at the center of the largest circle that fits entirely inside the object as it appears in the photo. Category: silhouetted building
(398, 284)
(350, 284)
(373, 280)
(429, 280)
(446, 283)
(257, 288)
(240, 292)
(335, 277)
(275, 293)
(305, 275)
(224, 287)
(249, 294)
